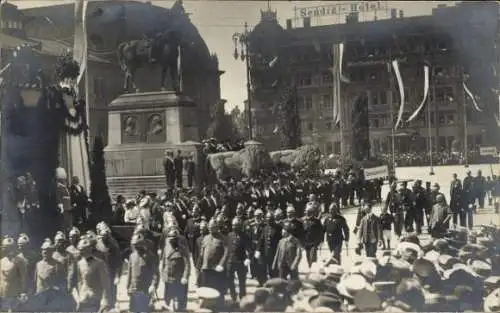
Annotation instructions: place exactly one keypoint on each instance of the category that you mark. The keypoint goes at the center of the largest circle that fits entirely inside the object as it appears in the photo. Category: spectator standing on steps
(169, 169)
(178, 168)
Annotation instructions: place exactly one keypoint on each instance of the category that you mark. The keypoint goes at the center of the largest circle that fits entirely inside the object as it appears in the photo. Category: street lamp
(242, 53)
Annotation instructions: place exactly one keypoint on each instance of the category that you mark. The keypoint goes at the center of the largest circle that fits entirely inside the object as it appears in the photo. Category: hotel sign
(343, 8)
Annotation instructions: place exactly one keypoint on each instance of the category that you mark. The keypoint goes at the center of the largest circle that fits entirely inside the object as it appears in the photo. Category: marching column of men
(223, 241)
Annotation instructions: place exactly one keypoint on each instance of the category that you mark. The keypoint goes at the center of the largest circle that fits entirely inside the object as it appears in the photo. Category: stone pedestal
(142, 126)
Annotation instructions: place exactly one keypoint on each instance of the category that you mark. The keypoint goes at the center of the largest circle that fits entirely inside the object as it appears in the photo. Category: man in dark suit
(190, 170)
(64, 207)
(455, 199)
(169, 169)
(178, 168)
(79, 201)
(370, 232)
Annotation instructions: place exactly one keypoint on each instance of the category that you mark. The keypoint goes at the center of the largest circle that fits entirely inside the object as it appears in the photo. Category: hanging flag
(343, 78)
(476, 106)
(426, 90)
(77, 146)
(80, 45)
(395, 66)
(273, 62)
(336, 54)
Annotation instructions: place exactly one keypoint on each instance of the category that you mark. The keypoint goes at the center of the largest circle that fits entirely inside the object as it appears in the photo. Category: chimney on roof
(307, 22)
(289, 23)
(401, 14)
(394, 13)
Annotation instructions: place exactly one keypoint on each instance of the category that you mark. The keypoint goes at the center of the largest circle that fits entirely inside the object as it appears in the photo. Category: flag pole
(466, 144)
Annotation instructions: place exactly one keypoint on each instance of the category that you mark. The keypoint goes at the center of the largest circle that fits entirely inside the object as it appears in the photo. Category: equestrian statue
(161, 48)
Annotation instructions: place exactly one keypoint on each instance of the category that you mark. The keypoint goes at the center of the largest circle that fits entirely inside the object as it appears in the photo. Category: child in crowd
(386, 221)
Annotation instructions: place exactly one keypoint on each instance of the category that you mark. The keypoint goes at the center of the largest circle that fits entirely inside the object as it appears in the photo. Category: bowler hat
(424, 268)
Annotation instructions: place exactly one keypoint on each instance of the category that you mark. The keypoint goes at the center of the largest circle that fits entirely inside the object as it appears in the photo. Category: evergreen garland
(288, 123)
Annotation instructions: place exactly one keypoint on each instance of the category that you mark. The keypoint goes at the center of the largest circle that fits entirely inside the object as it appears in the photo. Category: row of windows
(363, 74)
(362, 49)
(443, 95)
(11, 24)
(309, 126)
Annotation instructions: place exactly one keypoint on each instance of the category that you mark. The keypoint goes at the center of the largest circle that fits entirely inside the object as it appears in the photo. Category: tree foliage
(222, 127)
(288, 120)
(239, 119)
(101, 202)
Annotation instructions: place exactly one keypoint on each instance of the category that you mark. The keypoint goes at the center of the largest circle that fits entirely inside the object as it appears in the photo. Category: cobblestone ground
(483, 217)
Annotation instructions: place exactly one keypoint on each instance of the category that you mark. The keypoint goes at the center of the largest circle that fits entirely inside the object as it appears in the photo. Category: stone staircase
(130, 186)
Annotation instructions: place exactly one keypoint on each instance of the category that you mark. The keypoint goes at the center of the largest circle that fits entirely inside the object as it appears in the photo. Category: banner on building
(376, 172)
(490, 150)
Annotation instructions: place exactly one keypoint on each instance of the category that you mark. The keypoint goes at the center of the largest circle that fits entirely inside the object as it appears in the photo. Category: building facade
(457, 43)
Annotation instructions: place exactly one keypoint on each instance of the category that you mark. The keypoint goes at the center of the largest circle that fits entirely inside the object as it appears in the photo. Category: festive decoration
(66, 67)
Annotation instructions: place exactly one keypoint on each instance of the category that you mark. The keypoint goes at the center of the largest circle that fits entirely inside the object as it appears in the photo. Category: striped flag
(77, 147)
(80, 45)
(336, 73)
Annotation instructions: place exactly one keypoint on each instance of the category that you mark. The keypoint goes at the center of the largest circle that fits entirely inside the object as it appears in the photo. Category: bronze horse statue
(162, 49)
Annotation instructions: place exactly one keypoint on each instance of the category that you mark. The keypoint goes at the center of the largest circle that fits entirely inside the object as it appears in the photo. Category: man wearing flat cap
(239, 254)
(313, 234)
(337, 231)
(370, 232)
(438, 222)
(288, 255)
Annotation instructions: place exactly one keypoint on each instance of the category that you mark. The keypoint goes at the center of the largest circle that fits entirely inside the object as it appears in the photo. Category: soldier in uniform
(197, 251)
(455, 199)
(408, 202)
(313, 234)
(62, 258)
(142, 278)
(90, 277)
(239, 254)
(296, 224)
(175, 272)
(337, 231)
(109, 251)
(47, 269)
(420, 204)
(288, 255)
(257, 265)
(213, 259)
(192, 230)
(64, 204)
(13, 275)
(271, 235)
(27, 255)
(394, 205)
(72, 249)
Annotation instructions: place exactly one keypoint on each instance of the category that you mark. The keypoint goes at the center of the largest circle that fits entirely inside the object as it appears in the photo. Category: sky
(217, 21)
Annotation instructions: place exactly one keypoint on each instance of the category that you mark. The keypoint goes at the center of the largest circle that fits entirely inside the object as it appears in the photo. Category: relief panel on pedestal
(131, 128)
(148, 127)
(155, 128)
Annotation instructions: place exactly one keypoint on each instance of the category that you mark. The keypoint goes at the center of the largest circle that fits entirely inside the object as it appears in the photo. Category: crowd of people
(262, 227)
(418, 159)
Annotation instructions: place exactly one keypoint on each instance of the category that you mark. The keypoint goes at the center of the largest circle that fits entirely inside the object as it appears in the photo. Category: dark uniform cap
(326, 300)
(277, 284)
(425, 268)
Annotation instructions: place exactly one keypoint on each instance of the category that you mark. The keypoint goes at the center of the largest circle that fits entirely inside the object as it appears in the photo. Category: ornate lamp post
(243, 54)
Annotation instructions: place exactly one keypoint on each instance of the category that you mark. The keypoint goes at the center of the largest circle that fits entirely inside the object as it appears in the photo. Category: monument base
(142, 126)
